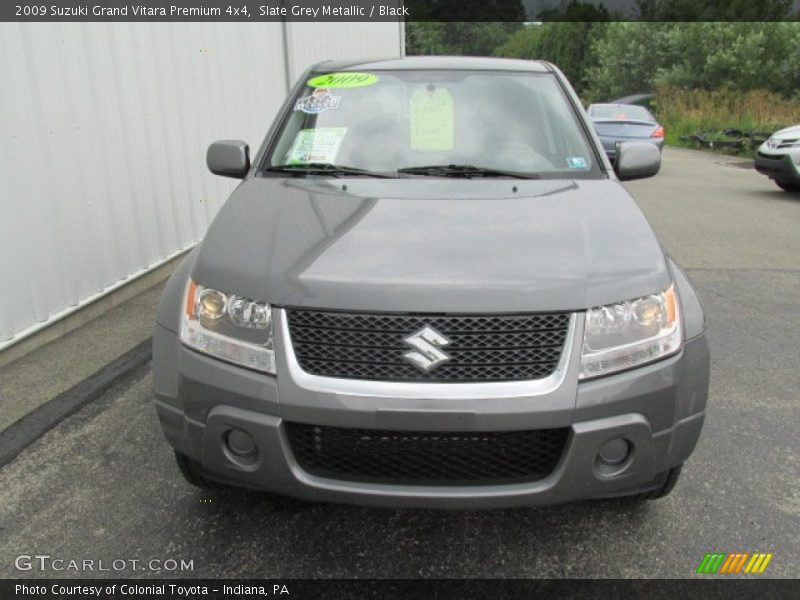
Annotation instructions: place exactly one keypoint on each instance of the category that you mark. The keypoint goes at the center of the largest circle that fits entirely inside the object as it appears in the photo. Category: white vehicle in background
(779, 158)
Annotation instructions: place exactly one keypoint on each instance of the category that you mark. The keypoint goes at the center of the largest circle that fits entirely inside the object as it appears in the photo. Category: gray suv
(430, 289)
(779, 158)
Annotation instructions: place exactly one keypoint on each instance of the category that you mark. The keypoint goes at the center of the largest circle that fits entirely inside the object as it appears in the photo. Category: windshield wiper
(328, 169)
(465, 171)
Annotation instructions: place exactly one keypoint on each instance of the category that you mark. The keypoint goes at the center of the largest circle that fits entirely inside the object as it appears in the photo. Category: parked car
(430, 289)
(625, 123)
(779, 158)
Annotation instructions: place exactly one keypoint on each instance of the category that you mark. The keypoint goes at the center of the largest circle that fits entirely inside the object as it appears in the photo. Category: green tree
(714, 10)
(566, 39)
(467, 39)
(484, 25)
(523, 43)
(741, 56)
(424, 38)
(626, 59)
(637, 57)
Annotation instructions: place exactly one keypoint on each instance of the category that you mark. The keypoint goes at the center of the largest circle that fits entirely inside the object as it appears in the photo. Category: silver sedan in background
(625, 123)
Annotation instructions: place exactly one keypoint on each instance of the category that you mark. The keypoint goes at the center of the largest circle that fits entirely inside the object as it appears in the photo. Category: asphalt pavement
(102, 485)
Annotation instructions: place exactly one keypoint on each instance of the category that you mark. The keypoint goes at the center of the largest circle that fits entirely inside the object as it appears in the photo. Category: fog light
(240, 443)
(614, 452)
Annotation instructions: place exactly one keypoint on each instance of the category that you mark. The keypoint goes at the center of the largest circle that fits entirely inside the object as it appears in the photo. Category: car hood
(788, 133)
(432, 245)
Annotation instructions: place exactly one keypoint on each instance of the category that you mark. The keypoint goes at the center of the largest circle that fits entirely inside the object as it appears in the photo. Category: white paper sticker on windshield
(432, 119)
(319, 145)
(577, 162)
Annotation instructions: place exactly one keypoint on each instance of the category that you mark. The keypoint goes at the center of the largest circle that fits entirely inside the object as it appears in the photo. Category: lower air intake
(425, 457)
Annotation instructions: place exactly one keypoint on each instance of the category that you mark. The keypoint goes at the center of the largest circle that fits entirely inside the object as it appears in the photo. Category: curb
(32, 426)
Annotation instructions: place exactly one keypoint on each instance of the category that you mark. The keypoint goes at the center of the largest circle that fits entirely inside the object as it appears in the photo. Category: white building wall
(357, 40)
(103, 134)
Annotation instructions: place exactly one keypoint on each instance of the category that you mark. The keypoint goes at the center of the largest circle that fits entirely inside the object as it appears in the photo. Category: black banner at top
(399, 10)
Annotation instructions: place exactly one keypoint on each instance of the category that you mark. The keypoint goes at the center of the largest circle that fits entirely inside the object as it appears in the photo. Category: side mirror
(229, 158)
(635, 160)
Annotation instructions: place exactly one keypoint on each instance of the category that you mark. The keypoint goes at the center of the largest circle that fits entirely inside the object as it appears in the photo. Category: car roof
(414, 63)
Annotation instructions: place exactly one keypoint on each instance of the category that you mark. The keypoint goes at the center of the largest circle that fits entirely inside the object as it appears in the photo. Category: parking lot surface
(103, 484)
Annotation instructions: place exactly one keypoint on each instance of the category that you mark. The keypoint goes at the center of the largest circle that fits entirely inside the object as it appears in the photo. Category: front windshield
(390, 121)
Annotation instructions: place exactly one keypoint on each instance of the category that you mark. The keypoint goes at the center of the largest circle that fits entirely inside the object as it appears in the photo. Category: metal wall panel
(103, 133)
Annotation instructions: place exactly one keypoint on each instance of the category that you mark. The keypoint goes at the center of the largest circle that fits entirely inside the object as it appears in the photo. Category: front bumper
(777, 166)
(658, 409)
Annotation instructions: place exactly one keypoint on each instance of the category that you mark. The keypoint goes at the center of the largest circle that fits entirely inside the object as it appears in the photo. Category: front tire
(193, 473)
(788, 186)
(665, 484)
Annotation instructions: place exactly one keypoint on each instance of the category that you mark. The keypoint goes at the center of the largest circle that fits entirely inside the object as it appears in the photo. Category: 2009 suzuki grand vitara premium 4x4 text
(431, 289)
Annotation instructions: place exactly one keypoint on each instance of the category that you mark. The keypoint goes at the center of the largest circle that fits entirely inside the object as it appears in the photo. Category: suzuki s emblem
(427, 343)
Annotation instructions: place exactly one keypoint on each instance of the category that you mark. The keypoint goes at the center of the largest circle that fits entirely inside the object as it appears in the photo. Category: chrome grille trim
(418, 390)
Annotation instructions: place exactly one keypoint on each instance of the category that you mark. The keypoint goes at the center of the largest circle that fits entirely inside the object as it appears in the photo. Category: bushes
(608, 60)
(637, 57)
(684, 112)
(566, 44)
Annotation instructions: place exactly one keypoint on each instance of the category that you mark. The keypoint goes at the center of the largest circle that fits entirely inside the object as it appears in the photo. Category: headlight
(784, 144)
(230, 327)
(629, 334)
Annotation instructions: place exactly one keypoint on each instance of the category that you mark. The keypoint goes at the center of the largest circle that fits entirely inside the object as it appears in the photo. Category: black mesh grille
(426, 458)
(481, 347)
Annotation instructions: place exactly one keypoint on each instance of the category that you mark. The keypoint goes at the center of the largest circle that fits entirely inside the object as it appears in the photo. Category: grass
(685, 112)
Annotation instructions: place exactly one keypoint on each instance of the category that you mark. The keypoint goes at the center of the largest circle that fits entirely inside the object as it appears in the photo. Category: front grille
(426, 458)
(481, 347)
